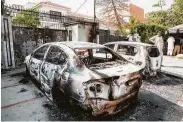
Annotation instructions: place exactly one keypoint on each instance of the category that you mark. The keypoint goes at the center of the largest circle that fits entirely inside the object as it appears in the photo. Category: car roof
(130, 43)
(77, 44)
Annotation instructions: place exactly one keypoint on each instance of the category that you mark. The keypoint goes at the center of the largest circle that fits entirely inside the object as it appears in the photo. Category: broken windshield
(91, 56)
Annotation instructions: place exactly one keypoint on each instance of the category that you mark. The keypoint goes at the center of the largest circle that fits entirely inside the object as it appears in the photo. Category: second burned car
(144, 55)
(98, 79)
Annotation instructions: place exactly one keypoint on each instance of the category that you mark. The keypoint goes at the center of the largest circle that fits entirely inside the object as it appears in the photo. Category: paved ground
(160, 98)
(172, 65)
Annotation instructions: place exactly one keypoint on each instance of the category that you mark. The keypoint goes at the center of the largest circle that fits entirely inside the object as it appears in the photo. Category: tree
(177, 8)
(28, 18)
(160, 4)
(146, 31)
(170, 17)
(165, 18)
(158, 17)
(112, 12)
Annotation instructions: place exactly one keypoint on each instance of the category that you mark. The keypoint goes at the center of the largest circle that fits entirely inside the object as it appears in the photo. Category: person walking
(170, 48)
(130, 37)
(177, 44)
(137, 37)
(158, 41)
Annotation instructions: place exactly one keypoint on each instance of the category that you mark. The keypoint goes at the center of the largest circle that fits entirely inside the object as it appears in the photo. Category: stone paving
(173, 66)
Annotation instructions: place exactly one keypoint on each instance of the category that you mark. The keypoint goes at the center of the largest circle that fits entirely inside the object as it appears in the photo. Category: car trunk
(118, 81)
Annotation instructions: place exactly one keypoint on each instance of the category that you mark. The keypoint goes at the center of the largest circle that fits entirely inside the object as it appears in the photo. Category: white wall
(79, 32)
(74, 29)
(83, 31)
(29, 5)
(47, 8)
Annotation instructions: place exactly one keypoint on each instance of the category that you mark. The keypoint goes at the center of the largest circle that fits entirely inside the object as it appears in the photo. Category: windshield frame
(118, 57)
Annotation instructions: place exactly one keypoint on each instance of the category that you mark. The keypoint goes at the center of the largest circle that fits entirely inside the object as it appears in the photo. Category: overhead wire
(80, 6)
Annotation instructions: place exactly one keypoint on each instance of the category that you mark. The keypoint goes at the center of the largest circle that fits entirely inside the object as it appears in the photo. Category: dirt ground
(160, 98)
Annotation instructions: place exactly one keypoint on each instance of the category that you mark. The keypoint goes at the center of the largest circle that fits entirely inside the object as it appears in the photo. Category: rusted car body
(144, 55)
(100, 80)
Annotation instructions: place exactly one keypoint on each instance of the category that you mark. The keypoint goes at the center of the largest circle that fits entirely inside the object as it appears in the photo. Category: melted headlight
(96, 88)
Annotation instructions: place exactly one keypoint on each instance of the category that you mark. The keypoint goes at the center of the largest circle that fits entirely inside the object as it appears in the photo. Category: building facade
(137, 13)
(76, 31)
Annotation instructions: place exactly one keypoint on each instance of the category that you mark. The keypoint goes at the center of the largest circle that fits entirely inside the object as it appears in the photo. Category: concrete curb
(172, 74)
(14, 72)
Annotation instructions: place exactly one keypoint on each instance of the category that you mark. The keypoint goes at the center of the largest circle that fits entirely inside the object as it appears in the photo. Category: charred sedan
(100, 80)
(144, 55)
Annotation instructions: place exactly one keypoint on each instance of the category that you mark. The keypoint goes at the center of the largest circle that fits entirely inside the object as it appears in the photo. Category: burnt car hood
(105, 70)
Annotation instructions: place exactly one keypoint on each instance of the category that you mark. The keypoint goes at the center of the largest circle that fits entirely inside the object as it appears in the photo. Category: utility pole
(94, 10)
(94, 28)
(116, 14)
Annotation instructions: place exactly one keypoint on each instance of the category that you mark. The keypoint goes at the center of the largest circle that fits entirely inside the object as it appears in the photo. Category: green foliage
(28, 18)
(156, 5)
(119, 32)
(160, 4)
(165, 18)
(170, 17)
(177, 8)
(146, 31)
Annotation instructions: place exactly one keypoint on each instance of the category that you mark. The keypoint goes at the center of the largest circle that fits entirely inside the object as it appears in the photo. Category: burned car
(92, 75)
(144, 55)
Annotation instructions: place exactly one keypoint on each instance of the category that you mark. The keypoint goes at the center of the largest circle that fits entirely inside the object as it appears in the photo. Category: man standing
(158, 41)
(137, 37)
(177, 44)
(170, 41)
(130, 37)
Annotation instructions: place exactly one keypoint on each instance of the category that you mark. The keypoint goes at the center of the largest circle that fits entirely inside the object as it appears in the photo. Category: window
(96, 55)
(111, 46)
(153, 52)
(56, 56)
(55, 15)
(102, 53)
(39, 54)
(127, 50)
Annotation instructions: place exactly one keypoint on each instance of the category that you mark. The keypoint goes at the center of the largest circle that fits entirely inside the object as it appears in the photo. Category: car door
(131, 53)
(36, 60)
(53, 67)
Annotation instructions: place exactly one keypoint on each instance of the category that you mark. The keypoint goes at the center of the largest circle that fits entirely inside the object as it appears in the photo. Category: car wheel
(135, 99)
(57, 95)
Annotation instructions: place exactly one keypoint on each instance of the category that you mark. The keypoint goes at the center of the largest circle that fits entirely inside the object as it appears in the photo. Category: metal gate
(31, 28)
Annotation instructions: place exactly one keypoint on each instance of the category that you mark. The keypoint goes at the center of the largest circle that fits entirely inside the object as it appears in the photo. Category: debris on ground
(23, 90)
(48, 105)
(24, 81)
(39, 94)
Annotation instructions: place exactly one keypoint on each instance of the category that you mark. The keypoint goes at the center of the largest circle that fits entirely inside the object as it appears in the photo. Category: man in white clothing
(130, 37)
(137, 37)
(158, 41)
(170, 48)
